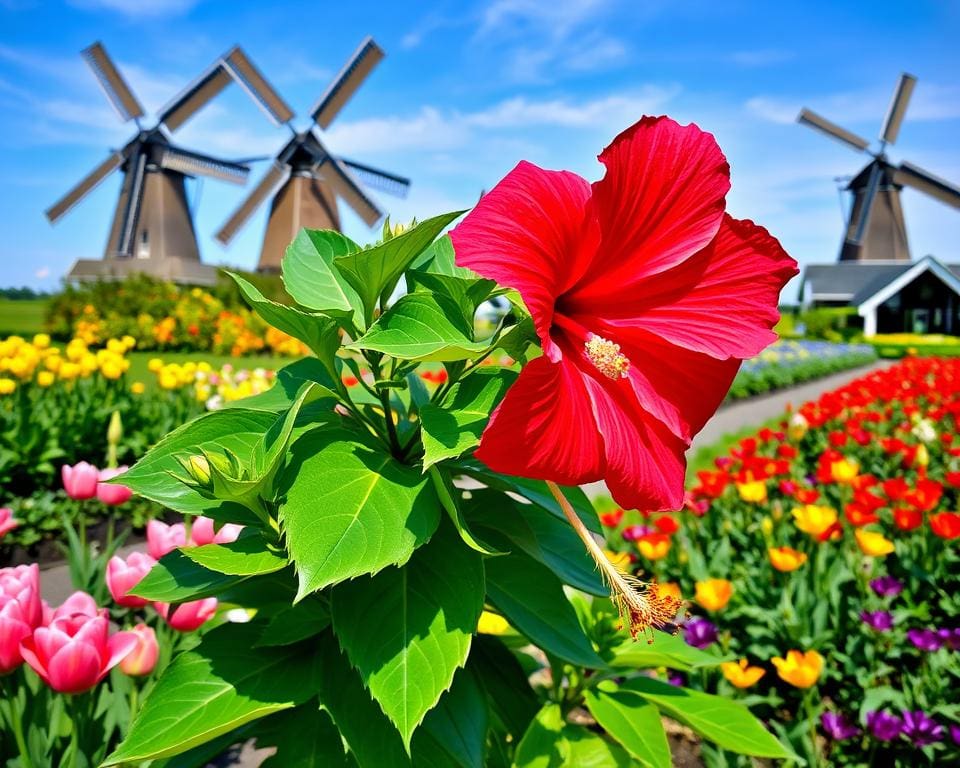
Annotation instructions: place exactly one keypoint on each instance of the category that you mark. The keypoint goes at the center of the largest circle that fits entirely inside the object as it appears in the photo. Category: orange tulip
(813, 519)
(786, 559)
(799, 669)
(654, 546)
(741, 675)
(714, 594)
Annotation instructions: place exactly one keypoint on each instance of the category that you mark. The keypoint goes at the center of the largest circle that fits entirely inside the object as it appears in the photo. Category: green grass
(139, 360)
(21, 318)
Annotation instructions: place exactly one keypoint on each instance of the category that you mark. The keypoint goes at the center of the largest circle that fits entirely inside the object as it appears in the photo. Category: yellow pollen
(607, 357)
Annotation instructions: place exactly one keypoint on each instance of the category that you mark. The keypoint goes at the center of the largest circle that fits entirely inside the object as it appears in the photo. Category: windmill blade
(195, 164)
(277, 175)
(342, 182)
(381, 180)
(351, 77)
(255, 84)
(912, 176)
(194, 97)
(898, 108)
(113, 84)
(75, 195)
(131, 213)
(866, 204)
(832, 130)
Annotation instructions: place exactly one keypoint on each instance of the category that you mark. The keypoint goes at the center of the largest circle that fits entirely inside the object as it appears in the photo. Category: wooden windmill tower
(152, 228)
(305, 178)
(875, 229)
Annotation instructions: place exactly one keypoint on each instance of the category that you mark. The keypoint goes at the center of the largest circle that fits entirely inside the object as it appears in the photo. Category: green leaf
(376, 270)
(249, 555)
(233, 430)
(312, 279)
(290, 379)
(349, 508)
(422, 326)
(544, 537)
(450, 506)
(318, 332)
(666, 650)
(543, 745)
(304, 737)
(512, 700)
(455, 426)
(435, 271)
(216, 687)
(591, 750)
(727, 723)
(454, 732)
(633, 722)
(177, 579)
(532, 600)
(295, 623)
(370, 736)
(425, 614)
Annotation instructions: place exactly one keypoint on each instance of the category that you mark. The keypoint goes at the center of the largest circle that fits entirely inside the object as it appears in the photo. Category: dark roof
(855, 281)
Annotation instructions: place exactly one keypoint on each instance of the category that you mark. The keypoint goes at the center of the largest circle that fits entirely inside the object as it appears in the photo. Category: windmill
(875, 227)
(152, 228)
(306, 179)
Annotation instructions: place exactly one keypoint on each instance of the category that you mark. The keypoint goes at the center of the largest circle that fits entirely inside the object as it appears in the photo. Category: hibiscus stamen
(607, 357)
(641, 604)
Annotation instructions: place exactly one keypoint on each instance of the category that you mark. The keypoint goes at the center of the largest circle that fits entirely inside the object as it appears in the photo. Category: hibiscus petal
(530, 232)
(545, 428)
(660, 201)
(723, 301)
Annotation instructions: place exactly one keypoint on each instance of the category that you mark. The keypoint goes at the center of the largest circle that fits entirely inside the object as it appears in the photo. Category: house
(891, 296)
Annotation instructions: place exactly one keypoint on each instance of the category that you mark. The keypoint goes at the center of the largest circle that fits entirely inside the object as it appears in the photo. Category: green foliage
(830, 323)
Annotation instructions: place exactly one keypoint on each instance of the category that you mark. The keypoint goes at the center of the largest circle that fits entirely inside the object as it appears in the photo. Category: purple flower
(950, 638)
(921, 729)
(886, 586)
(925, 639)
(881, 621)
(634, 532)
(955, 733)
(675, 678)
(883, 725)
(837, 727)
(700, 633)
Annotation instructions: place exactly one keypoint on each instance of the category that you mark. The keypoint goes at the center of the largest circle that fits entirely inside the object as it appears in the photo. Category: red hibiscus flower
(645, 296)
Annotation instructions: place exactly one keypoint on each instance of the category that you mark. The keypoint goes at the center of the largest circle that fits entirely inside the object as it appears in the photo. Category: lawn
(21, 318)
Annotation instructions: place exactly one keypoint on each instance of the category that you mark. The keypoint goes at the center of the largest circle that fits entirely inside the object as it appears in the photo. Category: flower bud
(115, 430)
(143, 658)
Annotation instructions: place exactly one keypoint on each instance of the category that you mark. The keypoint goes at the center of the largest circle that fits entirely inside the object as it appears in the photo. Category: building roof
(855, 282)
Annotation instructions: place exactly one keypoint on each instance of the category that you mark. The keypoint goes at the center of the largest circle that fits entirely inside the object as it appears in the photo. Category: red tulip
(163, 538)
(80, 480)
(74, 654)
(188, 616)
(906, 518)
(202, 532)
(946, 525)
(7, 523)
(645, 296)
(124, 575)
(109, 493)
(611, 519)
(20, 612)
(143, 658)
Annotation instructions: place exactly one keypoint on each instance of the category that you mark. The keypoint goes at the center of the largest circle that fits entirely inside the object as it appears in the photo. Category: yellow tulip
(41, 341)
(754, 491)
(7, 386)
(813, 519)
(714, 594)
(112, 369)
(492, 624)
(801, 670)
(45, 378)
(872, 543)
(654, 546)
(786, 559)
(844, 471)
(155, 364)
(619, 559)
(741, 675)
(137, 388)
(922, 458)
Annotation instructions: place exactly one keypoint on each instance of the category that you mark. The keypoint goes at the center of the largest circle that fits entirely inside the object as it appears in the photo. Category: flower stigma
(607, 357)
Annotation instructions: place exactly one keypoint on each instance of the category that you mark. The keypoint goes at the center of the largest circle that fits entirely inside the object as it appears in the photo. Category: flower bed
(898, 345)
(822, 559)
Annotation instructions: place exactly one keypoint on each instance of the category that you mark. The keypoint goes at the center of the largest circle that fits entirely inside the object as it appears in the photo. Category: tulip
(740, 674)
(634, 532)
(837, 727)
(815, 520)
(74, 654)
(925, 639)
(714, 594)
(801, 670)
(907, 518)
(111, 494)
(754, 491)
(881, 621)
(700, 633)
(163, 538)
(201, 532)
(950, 638)
(78, 604)
(80, 480)
(946, 525)
(786, 559)
(611, 519)
(621, 560)
(921, 729)
(20, 612)
(669, 589)
(143, 658)
(7, 523)
(884, 726)
(886, 586)
(654, 546)
(844, 470)
(124, 575)
(873, 544)
(188, 616)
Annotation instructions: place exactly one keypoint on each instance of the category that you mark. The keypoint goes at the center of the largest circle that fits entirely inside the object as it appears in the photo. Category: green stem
(16, 720)
(812, 721)
(391, 427)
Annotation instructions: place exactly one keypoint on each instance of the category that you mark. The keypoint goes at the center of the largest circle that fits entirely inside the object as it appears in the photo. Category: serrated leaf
(421, 326)
(455, 731)
(249, 555)
(376, 270)
(425, 614)
(176, 579)
(727, 723)
(295, 623)
(312, 279)
(634, 722)
(532, 599)
(454, 426)
(216, 687)
(349, 508)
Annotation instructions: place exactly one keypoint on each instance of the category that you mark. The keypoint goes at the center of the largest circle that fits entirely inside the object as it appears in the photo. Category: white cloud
(137, 8)
(42, 274)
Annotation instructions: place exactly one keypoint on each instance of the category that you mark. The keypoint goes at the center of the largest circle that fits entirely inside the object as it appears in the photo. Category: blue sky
(470, 88)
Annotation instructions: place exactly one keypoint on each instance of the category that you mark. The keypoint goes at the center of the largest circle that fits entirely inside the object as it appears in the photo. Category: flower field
(822, 560)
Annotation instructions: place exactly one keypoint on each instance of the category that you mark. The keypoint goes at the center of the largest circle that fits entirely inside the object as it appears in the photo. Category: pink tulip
(163, 538)
(188, 616)
(20, 612)
(74, 654)
(78, 604)
(202, 532)
(143, 658)
(80, 480)
(122, 576)
(7, 523)
(109, 493)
